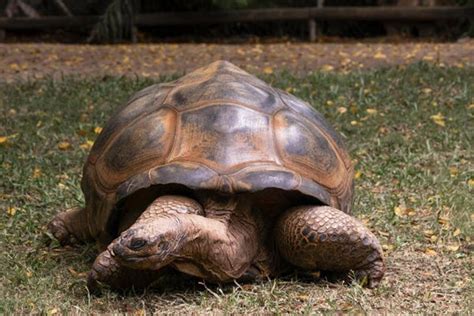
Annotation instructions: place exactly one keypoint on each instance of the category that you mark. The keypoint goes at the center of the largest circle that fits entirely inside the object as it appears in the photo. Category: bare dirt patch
(34, 61)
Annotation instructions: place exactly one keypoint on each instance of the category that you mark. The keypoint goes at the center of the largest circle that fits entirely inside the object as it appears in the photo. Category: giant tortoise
(222, 177)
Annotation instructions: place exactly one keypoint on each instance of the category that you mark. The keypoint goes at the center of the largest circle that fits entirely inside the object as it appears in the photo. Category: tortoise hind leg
(324, 238)
(70, 226)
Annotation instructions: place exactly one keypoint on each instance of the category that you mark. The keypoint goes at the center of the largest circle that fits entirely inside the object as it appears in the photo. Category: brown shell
(216, 128)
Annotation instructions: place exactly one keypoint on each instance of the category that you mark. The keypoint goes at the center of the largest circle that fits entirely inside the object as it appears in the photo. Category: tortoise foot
(106, 270)
(327, 239)
(61, 227)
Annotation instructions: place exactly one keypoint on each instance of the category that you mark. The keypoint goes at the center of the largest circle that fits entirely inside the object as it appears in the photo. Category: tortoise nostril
(137, 243)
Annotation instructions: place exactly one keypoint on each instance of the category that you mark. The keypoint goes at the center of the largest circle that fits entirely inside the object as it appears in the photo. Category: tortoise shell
(216, 128)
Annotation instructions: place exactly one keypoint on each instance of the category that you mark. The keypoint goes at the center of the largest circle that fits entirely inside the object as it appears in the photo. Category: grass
(414, 189)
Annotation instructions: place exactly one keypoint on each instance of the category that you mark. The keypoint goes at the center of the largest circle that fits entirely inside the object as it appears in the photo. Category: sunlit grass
(414, 188)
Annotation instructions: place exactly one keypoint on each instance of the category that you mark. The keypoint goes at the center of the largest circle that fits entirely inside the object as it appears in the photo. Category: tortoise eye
(137, 243)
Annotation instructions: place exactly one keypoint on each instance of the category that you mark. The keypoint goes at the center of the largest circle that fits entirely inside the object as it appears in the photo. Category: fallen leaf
(471, 106)
(37, 173)
(443, 220)
(268, 70)
(470, 182)
(428, 58)
(354, 123)
(327, 68)
(64, 145)
(452, 247)
(438, 119)
(387, 247)
(329, 102)
(453, 171)
(342, 110)
(427, 90)
(3, 139)
(380, 55)
(371, 111)
(87, 145)
(357, 174)
(11, 211)
(430, 252)
(457, 232)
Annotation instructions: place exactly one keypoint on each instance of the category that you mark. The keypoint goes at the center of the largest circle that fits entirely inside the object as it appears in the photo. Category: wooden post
(312, 30)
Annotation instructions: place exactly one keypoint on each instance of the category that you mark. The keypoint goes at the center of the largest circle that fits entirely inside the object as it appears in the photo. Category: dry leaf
(380, 55)
(327, 68)
(37, 173)
(430, 252)
(399, 211)
(438, 119)
(3, 139)
(11, 211)
(64, 145)
(354, 123)
(357, 174)
(427, 90)
(428, 58)
(371, 111)
(342, 110)
(453, 171)
(456, 232)
(470, 182)
(443, 220)
(268, 70)
(87, 145)
(329, 102)
(471, 106)
(387, 247)
(452, 248)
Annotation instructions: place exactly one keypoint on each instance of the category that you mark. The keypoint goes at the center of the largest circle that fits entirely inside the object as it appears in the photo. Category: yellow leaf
(342, 110)
(443, 220)
(11, 210)
(371, 111)
(430, 252)
(427, 90)
(438, 119)
(457, 232)
(29, 274)
(399, 211)
(329, 102)
(14, 66)
(268, 70)
(52, 311)
(357, 174)
(428, 232)
(452, 247)
(37, 173)
(64, 145)
(327, 68)
(380, 55)
(3, 139)
(433, 238)
(453, 171)
(354, 123)
(387, 247)
(428, 58)
(87, 145)
(471, 106)
(470, 182)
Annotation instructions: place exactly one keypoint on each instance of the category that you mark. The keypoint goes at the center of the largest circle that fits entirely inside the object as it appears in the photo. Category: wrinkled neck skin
(175, 228)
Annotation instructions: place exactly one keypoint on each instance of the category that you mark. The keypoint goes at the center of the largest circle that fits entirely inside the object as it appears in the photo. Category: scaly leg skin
(324, 238)
(70, 227)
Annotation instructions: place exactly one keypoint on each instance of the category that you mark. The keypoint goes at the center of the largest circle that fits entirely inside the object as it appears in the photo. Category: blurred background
(114, 21)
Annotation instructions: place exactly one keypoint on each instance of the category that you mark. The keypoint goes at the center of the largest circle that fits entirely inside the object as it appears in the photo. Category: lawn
(410, 134)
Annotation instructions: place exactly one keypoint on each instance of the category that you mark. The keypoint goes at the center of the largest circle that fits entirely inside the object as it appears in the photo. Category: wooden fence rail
(311, 14)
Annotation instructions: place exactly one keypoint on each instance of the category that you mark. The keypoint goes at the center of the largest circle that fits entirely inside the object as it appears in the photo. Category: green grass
(404, 161)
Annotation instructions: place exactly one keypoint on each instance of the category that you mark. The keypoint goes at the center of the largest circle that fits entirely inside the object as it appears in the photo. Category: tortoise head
(150, 244)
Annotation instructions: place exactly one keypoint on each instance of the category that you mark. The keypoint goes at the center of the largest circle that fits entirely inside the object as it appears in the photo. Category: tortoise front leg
(70, 226)
(324, 238)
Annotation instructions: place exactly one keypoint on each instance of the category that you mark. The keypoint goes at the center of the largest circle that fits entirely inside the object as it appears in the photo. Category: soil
(38, 60)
